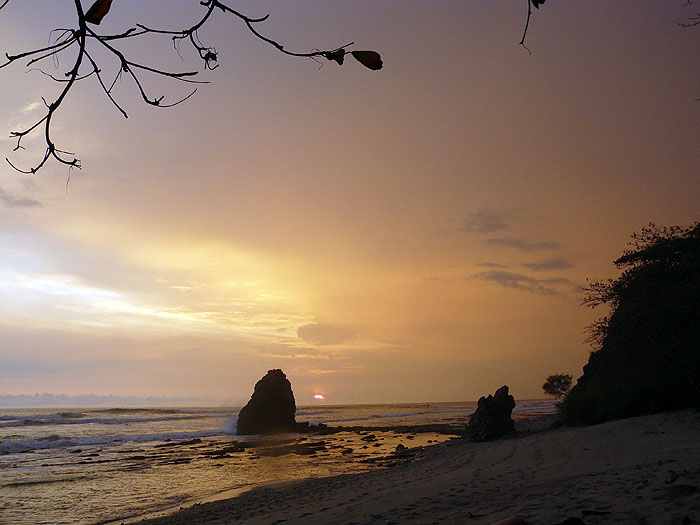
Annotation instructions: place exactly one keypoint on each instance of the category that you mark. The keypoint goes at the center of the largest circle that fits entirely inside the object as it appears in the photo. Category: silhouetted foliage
(647, 355)
(84, 39)
(557, 385)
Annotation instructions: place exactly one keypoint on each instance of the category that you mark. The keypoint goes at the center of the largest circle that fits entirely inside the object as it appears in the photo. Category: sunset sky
(420, 233)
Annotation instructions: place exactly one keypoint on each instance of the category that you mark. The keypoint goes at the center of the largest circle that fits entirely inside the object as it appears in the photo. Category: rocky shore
(639, 470)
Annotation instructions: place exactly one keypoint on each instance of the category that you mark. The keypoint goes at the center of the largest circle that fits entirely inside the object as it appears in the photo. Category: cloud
(549, 264)
(32, 107)
(485, 221)
(15, 202)
(522, 282)
(492, 265)
(300, 356)
(326, 333)
(320, 372)
(522, 244)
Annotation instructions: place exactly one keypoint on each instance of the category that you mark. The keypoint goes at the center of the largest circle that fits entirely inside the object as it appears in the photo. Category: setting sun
(319, 397)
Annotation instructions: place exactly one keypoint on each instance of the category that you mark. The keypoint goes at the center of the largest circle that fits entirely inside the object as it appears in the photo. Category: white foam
(16, 446)
(64, 418)
(232, 426)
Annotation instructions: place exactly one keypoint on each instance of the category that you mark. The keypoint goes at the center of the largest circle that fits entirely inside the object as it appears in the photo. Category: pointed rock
(271, 408)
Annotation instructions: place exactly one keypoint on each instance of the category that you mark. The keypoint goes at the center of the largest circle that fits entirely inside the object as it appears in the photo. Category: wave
(431, 411)
(136, 410)
(534, 409)
(33, 483)
(391, 415)
(232, 426)
(56, 441)
(77, 418)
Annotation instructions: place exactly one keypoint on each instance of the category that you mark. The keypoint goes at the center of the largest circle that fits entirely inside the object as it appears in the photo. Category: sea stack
(492, 419)
(271, 408)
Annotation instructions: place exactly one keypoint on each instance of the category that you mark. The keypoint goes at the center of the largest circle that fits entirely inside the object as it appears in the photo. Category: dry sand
(640, 470)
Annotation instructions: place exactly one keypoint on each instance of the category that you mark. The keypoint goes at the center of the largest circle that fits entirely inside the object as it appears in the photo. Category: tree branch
(84, 34)
(527, 24)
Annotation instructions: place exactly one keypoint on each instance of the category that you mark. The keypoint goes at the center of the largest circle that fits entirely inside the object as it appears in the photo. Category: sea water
(61, 466)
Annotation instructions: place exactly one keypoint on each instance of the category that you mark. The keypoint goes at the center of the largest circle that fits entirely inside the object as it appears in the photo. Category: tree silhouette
(647, 355)
(85, 37)
(557, 385)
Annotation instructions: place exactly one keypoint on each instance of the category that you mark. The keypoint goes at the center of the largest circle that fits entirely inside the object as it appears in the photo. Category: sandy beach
(639, 470)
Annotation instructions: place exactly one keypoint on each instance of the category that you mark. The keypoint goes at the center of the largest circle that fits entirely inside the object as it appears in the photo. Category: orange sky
(415, 234)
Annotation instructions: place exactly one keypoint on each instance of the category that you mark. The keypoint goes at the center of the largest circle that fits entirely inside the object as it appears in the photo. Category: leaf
(98, 11)
(338, 55)
(369, 59)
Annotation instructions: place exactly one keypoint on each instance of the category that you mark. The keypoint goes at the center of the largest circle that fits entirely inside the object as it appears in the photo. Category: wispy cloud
(321, 372)
(32, 107)
(326, 333)
(485, 221)
(492, 265)
(522, 244)
(306, 356)
(523, 282)
(549, 264)
(17, 202)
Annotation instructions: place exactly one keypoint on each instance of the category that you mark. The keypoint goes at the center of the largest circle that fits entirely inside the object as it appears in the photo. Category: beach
(87, 465)
(638, 470)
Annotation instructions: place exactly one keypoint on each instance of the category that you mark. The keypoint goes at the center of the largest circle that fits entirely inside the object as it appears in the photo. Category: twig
(84, 34)
(527, 24)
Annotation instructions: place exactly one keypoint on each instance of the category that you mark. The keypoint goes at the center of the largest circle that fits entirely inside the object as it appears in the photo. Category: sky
(418, 233)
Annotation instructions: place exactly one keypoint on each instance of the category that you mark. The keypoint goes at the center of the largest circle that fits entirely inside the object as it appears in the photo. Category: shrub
(557, 385)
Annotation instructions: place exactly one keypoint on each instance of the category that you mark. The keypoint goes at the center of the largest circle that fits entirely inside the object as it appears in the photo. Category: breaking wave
(16, 446)
(122, 416)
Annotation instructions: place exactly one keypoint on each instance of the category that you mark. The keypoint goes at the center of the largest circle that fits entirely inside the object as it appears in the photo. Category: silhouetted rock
(512, 520)
(300, 449)
(271, 408)
(572, 521)
(194, 441)
(492, 417)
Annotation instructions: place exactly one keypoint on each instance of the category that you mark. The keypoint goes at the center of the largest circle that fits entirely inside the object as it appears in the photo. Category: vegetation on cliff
(647, 349)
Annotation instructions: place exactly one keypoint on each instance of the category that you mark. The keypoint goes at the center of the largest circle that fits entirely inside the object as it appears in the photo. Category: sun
(319, 397)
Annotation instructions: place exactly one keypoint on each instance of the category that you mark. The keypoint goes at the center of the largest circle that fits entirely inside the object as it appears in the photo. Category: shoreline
(524, 426)
(289, 443)
(625, 471)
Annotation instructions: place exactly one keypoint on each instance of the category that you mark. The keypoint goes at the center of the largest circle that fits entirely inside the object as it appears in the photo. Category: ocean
(103, 465)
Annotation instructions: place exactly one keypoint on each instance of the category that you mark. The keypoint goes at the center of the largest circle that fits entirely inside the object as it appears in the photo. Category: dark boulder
(271, 408)
(492, 419)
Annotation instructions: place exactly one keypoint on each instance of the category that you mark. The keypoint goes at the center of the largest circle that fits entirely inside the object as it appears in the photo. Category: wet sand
(639, 470)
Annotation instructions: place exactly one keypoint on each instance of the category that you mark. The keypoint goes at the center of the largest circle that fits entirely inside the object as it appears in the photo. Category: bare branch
(59, 46)
(50, 54)
(84, 34)
(693, 21)
(527, 24)
(178, 102)
(51, 150)
(61, 80)
(108, 92)
(129, 33)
